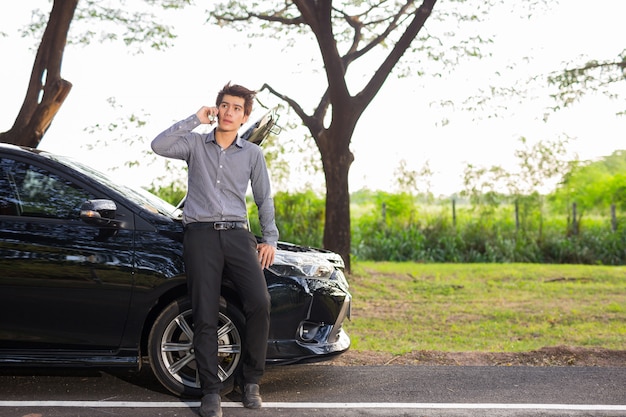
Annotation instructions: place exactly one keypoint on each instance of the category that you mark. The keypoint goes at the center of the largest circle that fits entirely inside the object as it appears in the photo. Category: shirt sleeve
(169, 144)
(261, 190)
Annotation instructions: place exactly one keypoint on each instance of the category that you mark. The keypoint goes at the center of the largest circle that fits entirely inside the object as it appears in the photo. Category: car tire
(170, 348)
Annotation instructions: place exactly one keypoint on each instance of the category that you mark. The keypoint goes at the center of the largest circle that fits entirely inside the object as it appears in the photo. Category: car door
(64, 285)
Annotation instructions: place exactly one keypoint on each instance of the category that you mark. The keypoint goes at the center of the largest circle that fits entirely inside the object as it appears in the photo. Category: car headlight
(335, 259)
(300, 265)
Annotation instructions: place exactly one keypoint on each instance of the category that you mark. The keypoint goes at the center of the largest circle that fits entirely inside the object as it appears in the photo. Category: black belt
(218, 225)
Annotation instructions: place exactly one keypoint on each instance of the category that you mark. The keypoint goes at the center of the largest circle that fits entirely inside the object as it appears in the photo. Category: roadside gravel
(549, 356)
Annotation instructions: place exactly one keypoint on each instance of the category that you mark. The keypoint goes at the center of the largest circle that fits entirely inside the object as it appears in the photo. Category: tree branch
(419, 18)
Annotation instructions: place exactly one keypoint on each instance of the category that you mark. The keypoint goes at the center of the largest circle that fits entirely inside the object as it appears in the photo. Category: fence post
(384, 212)
(453, 212)
(516, 215)
(574, 220)
(613, 218)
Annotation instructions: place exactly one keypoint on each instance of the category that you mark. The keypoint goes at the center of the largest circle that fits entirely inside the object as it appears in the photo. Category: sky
(403, 123)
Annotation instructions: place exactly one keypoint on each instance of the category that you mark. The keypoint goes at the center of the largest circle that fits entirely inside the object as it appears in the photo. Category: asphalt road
(326, 390)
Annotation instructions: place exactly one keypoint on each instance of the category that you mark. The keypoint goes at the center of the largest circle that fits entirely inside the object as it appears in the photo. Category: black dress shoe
(211, 406)
(251, 396)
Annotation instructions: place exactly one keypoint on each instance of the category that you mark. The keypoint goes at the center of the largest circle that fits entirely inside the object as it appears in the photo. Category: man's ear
(245, 119)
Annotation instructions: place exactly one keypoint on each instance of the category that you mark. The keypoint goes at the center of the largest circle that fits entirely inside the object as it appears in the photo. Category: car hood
(259, 130)
(325, 254)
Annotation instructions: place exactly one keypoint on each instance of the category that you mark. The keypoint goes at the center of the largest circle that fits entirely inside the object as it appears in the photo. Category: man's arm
(262, 193)
(169, 144)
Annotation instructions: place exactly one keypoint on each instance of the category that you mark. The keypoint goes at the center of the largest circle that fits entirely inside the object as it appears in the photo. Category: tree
(594, 184)
(36, 114)
(47, 89)
(360, 28)
(414, 182)
(592, 76)
(383, 30)
(541, 165)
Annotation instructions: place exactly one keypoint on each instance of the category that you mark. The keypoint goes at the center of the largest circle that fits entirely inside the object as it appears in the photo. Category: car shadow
(142, 379)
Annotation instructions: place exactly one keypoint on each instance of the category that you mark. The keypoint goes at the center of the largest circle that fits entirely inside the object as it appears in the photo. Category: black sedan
(91, 274)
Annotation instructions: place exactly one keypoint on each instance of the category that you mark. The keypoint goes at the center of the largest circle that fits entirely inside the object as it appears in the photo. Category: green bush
(299, 217)
(486, 237)
(402, 230)
(397, 227)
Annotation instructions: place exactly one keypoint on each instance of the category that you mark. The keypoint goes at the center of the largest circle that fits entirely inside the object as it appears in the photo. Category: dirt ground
(549, 356)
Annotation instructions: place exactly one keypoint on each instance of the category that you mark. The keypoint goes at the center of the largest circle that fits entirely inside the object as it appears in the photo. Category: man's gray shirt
(218, 178)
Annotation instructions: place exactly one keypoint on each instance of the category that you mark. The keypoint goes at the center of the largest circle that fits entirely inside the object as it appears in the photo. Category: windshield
(138, 196)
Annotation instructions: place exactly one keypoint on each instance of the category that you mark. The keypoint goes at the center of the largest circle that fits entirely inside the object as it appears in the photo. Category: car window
(29, 190)
(9, 201)
(139, 196)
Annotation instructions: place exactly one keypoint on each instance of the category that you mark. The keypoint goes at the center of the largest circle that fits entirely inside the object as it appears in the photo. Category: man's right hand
(207, 115)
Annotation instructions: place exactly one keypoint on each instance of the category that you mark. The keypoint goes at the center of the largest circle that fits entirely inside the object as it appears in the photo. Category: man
(221, 165)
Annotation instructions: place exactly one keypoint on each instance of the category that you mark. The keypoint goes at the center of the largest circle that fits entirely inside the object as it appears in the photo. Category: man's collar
(211, 138)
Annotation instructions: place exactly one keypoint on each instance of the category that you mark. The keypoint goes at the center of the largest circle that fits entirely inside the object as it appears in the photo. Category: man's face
(231, 113)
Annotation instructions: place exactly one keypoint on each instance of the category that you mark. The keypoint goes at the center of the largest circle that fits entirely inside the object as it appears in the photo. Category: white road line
(228, 404)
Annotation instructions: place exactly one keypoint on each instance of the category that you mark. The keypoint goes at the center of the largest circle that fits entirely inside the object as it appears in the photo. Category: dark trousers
(206, 253)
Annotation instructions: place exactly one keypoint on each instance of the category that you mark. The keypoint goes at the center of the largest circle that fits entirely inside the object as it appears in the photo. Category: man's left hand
(266, 254)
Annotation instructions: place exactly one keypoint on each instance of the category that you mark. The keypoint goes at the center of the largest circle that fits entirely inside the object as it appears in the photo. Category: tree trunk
(46, 89)
(336, 161)
(334, 141)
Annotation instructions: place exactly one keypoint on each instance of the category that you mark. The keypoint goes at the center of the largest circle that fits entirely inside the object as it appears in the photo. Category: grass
(404, 307)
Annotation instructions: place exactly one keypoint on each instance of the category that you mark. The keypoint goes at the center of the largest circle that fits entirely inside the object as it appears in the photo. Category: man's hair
(237, 91)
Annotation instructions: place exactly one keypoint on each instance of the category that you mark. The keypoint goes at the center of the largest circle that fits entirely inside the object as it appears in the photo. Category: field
(495, 313)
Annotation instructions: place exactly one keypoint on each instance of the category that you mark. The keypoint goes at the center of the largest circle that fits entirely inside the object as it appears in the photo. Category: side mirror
(99, 213)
